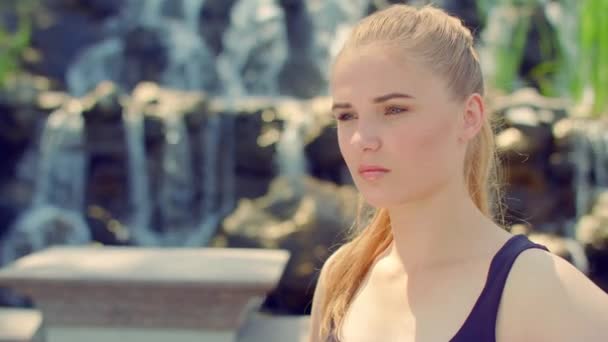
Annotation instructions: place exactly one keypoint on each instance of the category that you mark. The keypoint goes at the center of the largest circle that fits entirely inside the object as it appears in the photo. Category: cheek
(428, 145)
(343, 144)
(436, 137)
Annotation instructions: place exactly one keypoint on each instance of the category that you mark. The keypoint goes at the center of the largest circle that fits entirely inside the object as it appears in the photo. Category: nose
(366, 140)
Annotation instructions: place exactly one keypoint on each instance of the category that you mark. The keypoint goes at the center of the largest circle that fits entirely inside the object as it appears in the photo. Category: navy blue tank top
(480, 325)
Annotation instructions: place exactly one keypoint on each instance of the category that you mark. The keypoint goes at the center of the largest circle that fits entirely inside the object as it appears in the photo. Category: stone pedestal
(20, 325)
(260, 327)
(145, 294)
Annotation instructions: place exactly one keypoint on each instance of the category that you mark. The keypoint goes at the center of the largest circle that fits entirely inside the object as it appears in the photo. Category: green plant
(14, 42)
(507, 23)
(582, 66)
(577, 30)
(594, 52)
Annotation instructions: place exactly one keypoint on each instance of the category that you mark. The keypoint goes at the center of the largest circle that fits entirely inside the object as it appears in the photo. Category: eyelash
(341, 116)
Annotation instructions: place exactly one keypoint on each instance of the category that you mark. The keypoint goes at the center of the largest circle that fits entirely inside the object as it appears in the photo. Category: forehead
(375, 70)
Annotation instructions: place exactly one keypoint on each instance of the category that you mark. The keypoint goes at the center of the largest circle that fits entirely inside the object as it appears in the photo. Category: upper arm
(548, 299)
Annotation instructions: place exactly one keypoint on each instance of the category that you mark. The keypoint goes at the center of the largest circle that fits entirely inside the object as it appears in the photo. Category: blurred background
(206, 123)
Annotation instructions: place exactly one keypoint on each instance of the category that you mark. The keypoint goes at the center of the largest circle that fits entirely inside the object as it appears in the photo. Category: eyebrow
(378, 99)
(392, 96)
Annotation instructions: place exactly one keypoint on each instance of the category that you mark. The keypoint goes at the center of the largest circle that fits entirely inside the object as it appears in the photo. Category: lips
(372, 172)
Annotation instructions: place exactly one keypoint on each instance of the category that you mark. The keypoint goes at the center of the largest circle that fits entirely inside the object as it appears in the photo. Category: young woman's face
(394, 114)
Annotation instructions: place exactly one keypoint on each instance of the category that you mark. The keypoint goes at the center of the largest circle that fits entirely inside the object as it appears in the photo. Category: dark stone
(300, 77)
(83, 28)
(542, 45)
(106, 228)
(307, 224)
(325, 159)
(561, 168)
(467, 11)
(108, 184)
(252, 158)
(214, 20)
(145, 56)
(101, 9)
(8, 213)
(534, 208)
(251, 186)
(103, 104)
(19, 124)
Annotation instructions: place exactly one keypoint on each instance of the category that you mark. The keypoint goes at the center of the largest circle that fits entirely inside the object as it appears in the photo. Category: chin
(387, 199)
(379, 201)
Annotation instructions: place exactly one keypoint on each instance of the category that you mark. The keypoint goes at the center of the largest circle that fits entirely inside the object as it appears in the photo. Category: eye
(394, 110)
(344, 116)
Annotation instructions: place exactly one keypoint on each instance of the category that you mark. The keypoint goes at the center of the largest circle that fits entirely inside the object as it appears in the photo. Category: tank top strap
(481, 324)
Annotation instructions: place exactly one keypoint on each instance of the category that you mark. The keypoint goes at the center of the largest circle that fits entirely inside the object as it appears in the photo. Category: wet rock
(308, 224)
(214, 20)
(103, 104)
(592, 232)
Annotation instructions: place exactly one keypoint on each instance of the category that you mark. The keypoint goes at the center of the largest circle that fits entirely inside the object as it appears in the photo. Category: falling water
(590, 155)
(228, 166)
(256, 40)
(332, 21)
(191, 10)
(96, 64)
(219, 149)
(290, 148)
(55, 216)
(255, 48)
(210, 142)
(189, 63)
(139, 193)
(176, 194)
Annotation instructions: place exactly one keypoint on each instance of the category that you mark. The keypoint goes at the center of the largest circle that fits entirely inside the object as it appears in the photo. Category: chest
(429, 307)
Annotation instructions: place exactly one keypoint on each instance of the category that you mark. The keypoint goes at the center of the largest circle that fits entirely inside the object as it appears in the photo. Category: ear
(473, 117)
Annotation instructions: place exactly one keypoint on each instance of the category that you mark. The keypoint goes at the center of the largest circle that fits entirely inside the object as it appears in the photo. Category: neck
(443, 228)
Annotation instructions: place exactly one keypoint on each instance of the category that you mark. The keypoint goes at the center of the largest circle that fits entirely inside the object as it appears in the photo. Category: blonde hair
(445, 45)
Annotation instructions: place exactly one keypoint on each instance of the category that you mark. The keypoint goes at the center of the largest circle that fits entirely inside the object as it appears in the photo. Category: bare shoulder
(547, 299)
(325, 269)
(319, 294)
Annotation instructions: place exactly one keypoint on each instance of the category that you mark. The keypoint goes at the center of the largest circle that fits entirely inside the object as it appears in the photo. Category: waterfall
(96, 64)
(332, 22)
(590, 159)
(216, 201)
(55, 215)
(255, 49)
(159, 41)
(290, 148)
(139, 193)
(191, 10)
(177, 193)
(178, 56)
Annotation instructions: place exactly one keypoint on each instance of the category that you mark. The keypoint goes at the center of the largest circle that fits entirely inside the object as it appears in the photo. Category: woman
(432, 265)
